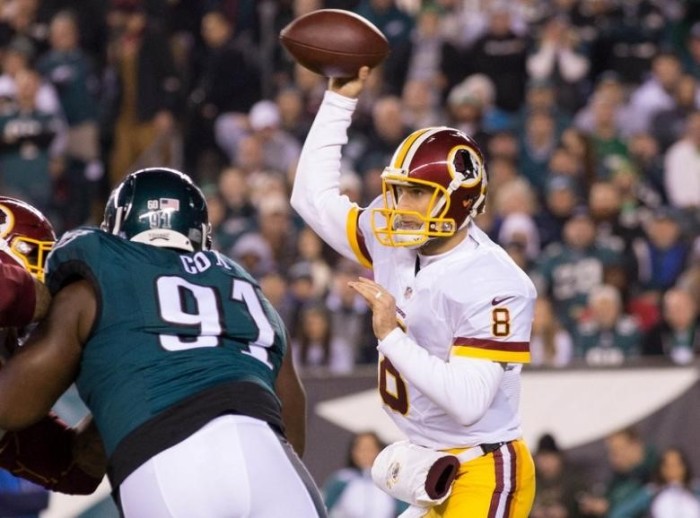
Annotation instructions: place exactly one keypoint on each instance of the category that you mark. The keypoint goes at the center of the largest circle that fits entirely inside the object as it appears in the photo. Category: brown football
(334, 43)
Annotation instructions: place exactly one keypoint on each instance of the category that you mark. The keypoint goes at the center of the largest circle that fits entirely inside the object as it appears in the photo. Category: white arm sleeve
(463, 387)
(316, 192)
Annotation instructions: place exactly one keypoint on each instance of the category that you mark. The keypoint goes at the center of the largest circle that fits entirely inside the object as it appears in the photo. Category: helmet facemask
(388, 223)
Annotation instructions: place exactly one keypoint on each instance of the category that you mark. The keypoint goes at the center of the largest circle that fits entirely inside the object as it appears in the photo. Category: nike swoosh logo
(496, 301)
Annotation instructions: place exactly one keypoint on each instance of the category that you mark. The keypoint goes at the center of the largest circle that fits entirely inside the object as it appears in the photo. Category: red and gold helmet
(445, 160)
(26, 236)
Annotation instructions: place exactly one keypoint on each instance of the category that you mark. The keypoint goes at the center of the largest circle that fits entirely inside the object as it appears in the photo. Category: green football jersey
(169, 325)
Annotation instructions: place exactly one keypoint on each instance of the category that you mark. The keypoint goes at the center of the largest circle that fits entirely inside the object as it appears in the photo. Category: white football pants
(234, 467)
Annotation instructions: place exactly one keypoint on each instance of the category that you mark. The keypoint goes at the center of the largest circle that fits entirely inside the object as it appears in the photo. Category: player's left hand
(382, 304)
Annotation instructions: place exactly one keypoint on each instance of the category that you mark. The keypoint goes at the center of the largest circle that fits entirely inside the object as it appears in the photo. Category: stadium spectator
(187, 421)
(655, 93)
(351, 323)
(668, 125)
(631, 463)
(537, 143)
(677, 335)
(606, 335)
(226, 83)
(561, 199)
(558, 57)
(17, 57)
(558, 483)
(350, 492)
(469, 104)
(682, 169)
(550, 344)
(568, 271)
(31, 146)
(144, 92)
(662, 253)
(672, 492)
(500, 53)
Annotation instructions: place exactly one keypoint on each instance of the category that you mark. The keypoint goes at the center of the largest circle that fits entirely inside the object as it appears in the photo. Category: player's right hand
(349, 87)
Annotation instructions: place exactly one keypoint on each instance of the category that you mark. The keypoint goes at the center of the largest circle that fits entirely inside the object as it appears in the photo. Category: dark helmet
(159, 207)
(26, 236)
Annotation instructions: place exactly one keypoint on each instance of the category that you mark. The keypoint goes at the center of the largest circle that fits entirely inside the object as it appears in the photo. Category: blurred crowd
(588, 112)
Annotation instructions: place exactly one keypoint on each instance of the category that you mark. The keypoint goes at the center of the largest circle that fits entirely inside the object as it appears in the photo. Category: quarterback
(451, 311)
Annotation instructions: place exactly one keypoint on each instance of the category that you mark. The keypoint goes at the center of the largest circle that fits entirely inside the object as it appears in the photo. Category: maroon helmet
(26, 236)
(452, 165)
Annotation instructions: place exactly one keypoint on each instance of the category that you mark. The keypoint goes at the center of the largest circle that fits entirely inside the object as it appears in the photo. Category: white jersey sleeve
(316, 192)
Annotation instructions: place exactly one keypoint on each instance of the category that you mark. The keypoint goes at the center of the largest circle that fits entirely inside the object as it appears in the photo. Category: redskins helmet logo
(7, 221)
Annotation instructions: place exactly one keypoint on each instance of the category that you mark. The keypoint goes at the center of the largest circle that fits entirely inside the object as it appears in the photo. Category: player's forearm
(463, 388)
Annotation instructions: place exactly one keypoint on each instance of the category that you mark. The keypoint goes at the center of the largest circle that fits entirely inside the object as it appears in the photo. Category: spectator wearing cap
(468, 104)
(558, 482)
(677, 335)
(567, 271)
(279, 150)
(226, 83)
(254, 253)
(662, 253)
(558, 57)
(605, 334)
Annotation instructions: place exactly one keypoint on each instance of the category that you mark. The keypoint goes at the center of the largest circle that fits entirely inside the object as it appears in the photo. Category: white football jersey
(470, 302)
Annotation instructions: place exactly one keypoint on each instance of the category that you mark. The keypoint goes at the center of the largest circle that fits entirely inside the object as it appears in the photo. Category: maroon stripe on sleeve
(485, 343)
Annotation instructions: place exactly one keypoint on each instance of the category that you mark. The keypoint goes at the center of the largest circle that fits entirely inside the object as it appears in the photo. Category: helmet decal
(7, 221)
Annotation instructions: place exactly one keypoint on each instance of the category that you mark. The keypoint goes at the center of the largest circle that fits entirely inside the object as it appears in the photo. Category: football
(334, 42)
